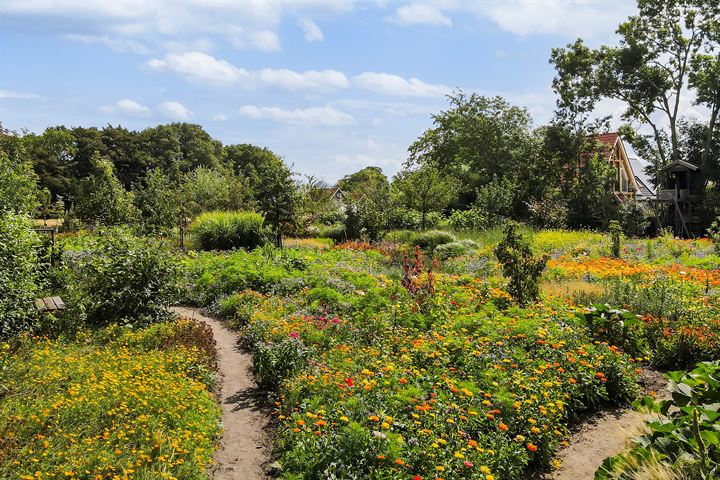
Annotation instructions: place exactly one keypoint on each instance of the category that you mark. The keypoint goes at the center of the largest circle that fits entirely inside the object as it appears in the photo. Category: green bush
(520, 266)
(19, 274)
(274, 362)
(229, 230)
(634, 218)
(335, 232)
(432, 239)
(615, 238)
(119, 278)
(454, 249)
(472, 219)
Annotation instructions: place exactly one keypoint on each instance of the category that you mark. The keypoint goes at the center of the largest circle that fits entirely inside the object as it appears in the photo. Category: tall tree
(668, 46)
(476, 140)
(364, 182)
(425, 190)
(276, 195)
(101, 198)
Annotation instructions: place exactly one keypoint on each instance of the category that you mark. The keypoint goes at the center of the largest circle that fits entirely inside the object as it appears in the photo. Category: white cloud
(265, 40)
(123, 45)
(175, 110)
(20, 95)
(420, 13)
(311, 30)
(219, 117)
(127, 107)
(199, 66)
(310, 80)
(565, 17)
(389, 84)
(243, 24)
(326, 115)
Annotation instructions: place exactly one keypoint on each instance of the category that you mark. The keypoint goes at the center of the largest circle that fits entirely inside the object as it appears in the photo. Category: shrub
(634, 218)
(19, 274)
(454, 249)
(520, 266)
(229, 230)
(119, 278)
(274, 362)
(548, 212)
(472, 219)
(335, 232)
(432, 238)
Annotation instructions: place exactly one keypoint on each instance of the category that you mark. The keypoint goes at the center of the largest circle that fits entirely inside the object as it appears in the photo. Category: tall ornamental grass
(229, 230)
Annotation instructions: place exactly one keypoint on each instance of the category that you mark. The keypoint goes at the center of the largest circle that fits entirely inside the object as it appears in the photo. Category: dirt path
(245, 445)
(605, 435)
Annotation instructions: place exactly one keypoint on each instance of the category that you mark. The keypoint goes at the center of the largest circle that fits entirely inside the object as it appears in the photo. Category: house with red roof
(613, 149)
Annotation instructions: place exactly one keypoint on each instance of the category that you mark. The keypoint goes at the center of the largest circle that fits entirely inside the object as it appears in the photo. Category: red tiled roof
(608, 140)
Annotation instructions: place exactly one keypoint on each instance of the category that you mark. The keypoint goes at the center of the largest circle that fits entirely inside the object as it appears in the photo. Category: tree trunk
(278, 238)
(709, 136)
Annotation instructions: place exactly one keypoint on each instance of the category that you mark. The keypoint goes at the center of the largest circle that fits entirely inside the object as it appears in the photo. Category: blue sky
(331, 86)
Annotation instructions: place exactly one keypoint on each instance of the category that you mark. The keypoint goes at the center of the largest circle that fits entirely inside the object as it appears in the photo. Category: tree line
(483, 161)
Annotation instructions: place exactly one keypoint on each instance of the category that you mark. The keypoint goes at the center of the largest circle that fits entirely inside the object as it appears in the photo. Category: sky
(331, 86)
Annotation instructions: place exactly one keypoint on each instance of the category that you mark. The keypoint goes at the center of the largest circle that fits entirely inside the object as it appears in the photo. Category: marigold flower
(503, 427)
(532, 447)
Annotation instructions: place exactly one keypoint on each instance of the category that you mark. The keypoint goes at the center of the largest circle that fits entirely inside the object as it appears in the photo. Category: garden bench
(50, 304)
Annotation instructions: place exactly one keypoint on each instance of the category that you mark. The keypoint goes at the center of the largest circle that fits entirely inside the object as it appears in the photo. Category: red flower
(468, 464)
(349, 382)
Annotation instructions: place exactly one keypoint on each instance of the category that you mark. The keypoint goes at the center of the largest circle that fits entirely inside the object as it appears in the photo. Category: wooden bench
(50, 304)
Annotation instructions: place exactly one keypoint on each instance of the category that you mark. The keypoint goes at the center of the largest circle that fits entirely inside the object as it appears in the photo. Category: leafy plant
(520, 266)
(616, 326)
(20, 274)
(119, 278)
(686, 436)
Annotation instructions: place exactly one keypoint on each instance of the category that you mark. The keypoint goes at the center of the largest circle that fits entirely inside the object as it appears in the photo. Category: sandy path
(245, 445)
(605, 435)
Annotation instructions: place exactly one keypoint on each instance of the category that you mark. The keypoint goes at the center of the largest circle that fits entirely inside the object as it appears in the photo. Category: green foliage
(685, 438)
(615, 238)
(158, 202)
(431, 239)
(275, 362)
(480, 141)
(550, 211)
(496, 200)
(20, 275)
(228, 230)
(425, 190)
(367, 218)
(616, 326)
(101, 198)
(207, 189)
(276, 195)
(634, 218)
(468, 220)
(520, 266)
(714, 234)
(367, 181)
(119, 278)
(19, 191)
(454, 249)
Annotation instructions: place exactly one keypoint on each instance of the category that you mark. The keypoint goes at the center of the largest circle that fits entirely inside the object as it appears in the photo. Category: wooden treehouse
(678, 200)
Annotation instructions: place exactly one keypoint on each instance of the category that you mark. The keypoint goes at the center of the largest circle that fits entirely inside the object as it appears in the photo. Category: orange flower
(503, 427)
(532, 447)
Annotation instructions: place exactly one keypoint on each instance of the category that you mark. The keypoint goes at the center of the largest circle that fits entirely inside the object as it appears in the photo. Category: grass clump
(229, 230)
(431, 239)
